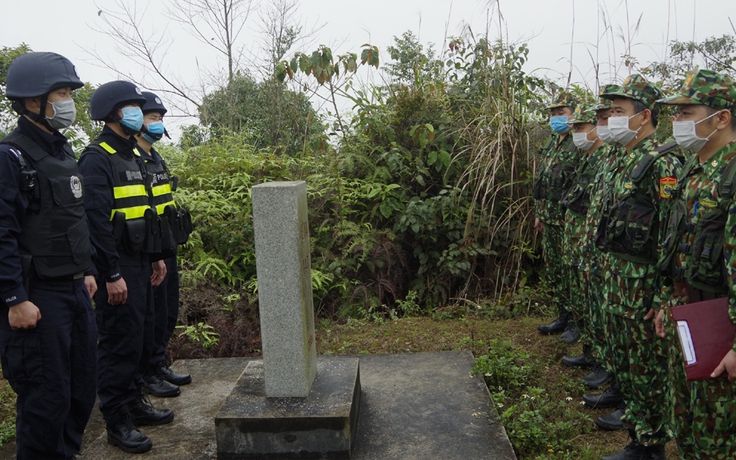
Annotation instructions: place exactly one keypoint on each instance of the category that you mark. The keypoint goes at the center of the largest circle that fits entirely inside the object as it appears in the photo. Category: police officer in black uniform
(48, 335)
(159, 379)
(125, 232)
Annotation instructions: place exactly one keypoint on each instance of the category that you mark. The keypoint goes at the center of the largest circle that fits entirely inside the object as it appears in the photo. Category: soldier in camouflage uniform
(576, 201)
(703, 221)
(633, 212)
(557, 163)
(591, 265)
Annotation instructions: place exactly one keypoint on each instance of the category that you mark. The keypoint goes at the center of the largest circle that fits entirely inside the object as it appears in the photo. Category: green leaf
(445, 158)
(431, 158)
(385, 209)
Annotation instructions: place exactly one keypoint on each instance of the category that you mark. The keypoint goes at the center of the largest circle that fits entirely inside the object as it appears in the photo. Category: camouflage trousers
(595, 325)
(555, 269)
(704, 411)
(579, 302)
(638, 357)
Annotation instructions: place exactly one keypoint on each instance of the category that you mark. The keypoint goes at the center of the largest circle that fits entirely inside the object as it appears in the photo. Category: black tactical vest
(136, 226)
(54, 232)
(629, 227)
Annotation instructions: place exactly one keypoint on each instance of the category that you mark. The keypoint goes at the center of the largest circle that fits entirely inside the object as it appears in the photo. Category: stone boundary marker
(281, 233)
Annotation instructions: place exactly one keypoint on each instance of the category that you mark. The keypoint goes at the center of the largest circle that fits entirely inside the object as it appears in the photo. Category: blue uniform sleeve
(98, 201)
(13, 204)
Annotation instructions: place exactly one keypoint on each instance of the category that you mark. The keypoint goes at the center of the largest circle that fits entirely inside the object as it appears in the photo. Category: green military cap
(605, 103)
(638, 88)
(706, 87)
(584, 113)
(562, 99)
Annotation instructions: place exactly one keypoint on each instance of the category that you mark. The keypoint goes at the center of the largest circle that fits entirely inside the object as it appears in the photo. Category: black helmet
(112, 95)
(37, 74)
(153, 103)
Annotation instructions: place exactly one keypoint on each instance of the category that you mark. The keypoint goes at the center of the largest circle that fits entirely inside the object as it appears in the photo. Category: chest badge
(666, 186)
(76, 185)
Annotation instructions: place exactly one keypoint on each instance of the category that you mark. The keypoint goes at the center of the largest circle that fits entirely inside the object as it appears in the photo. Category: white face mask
(684, 133)
(64, 114)
(604, 134)
(581, 140)
(619, 128)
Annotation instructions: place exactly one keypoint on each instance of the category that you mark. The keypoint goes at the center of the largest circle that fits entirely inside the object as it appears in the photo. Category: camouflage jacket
(656, 185)
(700, 208)
(600, 187)
(557, 164)
(577, 201)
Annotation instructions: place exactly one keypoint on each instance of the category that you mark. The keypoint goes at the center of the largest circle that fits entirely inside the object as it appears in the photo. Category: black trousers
(126, 338)
(166, 306)
(53, 369)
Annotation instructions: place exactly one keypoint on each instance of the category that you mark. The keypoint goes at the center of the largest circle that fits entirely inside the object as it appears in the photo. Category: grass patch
(7, 412)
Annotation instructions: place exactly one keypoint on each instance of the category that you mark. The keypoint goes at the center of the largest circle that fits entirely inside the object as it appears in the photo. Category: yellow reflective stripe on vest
(160, 208)
(133, 212)
(107, 147)
(128, 191)
(162, 189)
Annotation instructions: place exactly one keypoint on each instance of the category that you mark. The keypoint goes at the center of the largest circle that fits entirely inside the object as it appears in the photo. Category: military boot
(144, 413)
(612, 421)
(571, 334)
(634, 451)
(122, 433)
(556, 326)
(172, 377)
(583, 361)
(155, 384)
(612, 397)
(598, 377)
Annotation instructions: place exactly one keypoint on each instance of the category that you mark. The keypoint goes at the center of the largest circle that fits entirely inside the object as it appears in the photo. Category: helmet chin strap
(128, 131)
(39, 117)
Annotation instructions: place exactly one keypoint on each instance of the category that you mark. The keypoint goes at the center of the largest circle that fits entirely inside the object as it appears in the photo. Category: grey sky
(600, 31)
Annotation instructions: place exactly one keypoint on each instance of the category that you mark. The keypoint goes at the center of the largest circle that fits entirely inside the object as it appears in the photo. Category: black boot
(154, 384)
(144, 413)
(123, 434)
(584, 361)
(598, 377)
(172, 377)
(612, 421)
(571, 334)
(612, 397)
(657, 453)
(634, 451)
(556, 326)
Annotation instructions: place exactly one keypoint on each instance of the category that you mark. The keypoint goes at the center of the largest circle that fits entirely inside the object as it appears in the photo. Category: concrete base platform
(322, 425)
(421, 406)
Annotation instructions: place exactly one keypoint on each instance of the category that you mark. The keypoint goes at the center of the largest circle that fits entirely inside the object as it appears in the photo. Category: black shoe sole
(131, 450)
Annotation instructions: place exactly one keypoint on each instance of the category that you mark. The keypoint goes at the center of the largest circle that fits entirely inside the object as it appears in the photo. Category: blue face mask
(155, 131)
(559, 124)
(132, 118)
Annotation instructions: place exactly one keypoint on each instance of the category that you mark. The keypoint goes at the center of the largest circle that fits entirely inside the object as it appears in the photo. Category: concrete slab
(251, 425)
(421, 406)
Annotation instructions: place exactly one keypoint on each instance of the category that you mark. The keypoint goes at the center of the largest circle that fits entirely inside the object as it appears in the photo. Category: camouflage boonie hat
(706, 87)
(584, 113)
(605, 103)
(638, 88)
(562, 99)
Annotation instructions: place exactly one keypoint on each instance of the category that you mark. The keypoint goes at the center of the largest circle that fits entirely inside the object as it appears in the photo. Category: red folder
(706, 335)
